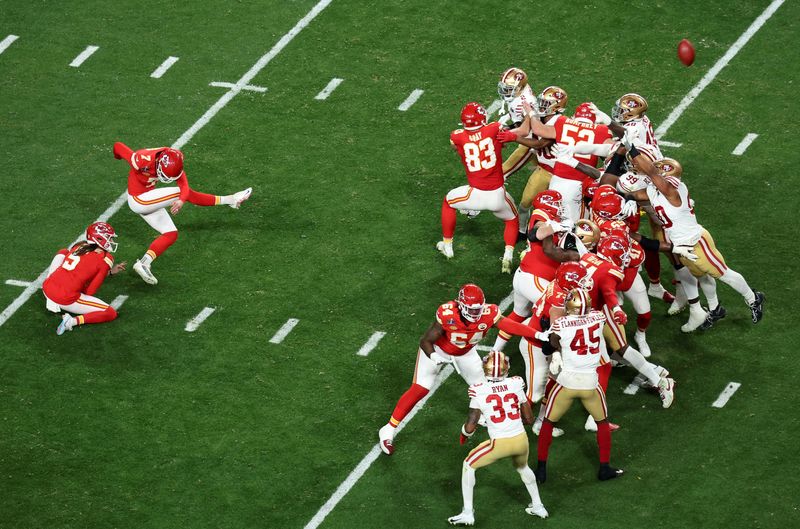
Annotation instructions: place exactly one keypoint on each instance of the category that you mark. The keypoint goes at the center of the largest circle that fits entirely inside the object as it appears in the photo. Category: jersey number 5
(586, 340)
(498, 406)
(480, 155)
(71, 262)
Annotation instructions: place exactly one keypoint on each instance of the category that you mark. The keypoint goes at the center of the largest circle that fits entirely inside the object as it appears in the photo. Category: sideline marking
(744, 144)
(180, 142)
(284, 331)
(410, 100)
(726, 394)
(371, 343)
(328, 90)
(118, 301)
(232, 86)
(166, 65)
(689, 98)
(7, 42)
(82, 56)
(195, 322)
(371, 456)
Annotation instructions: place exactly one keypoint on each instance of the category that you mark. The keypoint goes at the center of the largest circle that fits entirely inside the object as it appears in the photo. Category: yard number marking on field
(166, 65)
(284, 331)
(726, 394)
(744, 144)
(7, 42)
(371, 344)
(82, 56)
(410, 100)
(328, 90)
(195, 322)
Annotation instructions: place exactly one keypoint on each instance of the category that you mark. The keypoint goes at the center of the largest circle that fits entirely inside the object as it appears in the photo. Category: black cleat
(713, 317)
(757, 307)
(607, 472)
(541, 472)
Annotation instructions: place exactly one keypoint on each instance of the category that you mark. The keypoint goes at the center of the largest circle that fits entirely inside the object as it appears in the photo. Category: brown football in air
(686, 52)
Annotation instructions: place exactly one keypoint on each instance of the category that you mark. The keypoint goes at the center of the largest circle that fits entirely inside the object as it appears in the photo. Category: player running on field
(165, 165)
(76, 274)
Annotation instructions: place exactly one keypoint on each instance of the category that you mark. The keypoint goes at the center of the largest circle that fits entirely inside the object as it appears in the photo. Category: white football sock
(738, 283)
(688, 282)
(146, 259)
(467, 485)
(529, 479)
(709, 286)
(635, 358)
(227, 200)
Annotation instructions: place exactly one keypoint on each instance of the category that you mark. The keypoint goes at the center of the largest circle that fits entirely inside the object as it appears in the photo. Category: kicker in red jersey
(461, 336)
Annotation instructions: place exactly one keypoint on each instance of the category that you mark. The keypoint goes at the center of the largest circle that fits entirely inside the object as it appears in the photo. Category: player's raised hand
(684, 250)
(176, 207)
(117, 268)
(619, 316)
(506, 136)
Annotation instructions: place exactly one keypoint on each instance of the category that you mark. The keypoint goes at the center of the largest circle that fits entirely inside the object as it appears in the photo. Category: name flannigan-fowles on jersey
(582, 348)
(499, 403)
(679, 222)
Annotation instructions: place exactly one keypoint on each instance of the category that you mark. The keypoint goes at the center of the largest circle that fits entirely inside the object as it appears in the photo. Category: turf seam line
(744, 144)
(162, 69)
(82, 56)
(18, 283)
(284, 331)
(195, 322)
(232, 86)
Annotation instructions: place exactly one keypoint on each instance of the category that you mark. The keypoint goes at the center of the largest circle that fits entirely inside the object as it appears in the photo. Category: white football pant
(498, 201)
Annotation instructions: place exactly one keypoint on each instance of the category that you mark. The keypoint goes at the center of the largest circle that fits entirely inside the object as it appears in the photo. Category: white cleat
(537, 510)
(464, 518)
(52, 306)
(386, 437)
(65, 325)
(666, 390)
(240, 197)
(537, 427)
(446, 248)
(679, 303)
(641, 340)
(144, 272)
(696, 318)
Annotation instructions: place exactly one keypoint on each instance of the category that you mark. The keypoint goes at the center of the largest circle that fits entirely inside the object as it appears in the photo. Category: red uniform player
(460, 325)
(76, 274)
(165, 165)
(480, 151)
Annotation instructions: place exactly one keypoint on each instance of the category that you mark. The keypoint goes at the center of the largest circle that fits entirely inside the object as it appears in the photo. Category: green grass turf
(140, 424)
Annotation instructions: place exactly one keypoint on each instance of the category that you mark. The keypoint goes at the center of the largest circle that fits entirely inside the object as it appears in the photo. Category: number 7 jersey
(481, 154)
(499, 403)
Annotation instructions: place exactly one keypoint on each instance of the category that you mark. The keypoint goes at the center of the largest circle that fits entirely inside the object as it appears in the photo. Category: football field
(316, 292)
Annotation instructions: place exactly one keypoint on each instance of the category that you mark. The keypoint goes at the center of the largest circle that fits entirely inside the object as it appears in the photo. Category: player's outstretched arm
(645, 165)
(434, 332)
(122, 152)
(517, 329)
(527, 413)
(558, 254)
(469, 427)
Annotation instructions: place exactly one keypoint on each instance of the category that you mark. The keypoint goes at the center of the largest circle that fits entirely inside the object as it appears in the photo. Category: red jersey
(637, 258)
(553, 297)
(460, 336)
(535, 261)
(480, 152)
(142, 176)
(571, 132)
(78, 274)
(606, 276)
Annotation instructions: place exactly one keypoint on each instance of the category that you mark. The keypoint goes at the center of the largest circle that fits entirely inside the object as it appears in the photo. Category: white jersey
(545, 157)
(582, 347)
(513, 113)
(499, 403)
(679, 223)
(641, 132)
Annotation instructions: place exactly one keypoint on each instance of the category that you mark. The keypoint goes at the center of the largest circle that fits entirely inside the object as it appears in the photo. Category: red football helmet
(572, 274)
(102, 234)
(607, 206)
(615, 228)
(584, 112)
(169, 165)
(615, 249)
(549, 201)
(473, 116)
(471, 302)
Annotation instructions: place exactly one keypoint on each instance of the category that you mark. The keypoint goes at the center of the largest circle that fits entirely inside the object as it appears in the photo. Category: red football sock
(202, 199)
(511, 231)
(413, 395)
(548, 388)
(603, 441)
(545, 438)
(163, 242)
(652, 264)
(99, 316)
(448, 220)
(643, 321)
(603, 374)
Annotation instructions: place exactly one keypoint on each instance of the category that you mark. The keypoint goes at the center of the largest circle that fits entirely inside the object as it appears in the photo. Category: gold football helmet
(512, 82)
(495, 365)
(629, 107)
(669, 167)
(578, 302)
(552, 100)
(588, 232)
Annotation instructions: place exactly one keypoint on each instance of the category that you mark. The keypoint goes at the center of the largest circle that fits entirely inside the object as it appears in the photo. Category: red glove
(465, 435)
(505, 136)
(619, 316)
(462, 439)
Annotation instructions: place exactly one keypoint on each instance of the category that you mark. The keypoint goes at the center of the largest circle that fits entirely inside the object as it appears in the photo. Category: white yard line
(721, 63)
(284, 331)
(328, 90)
(410, 100)
(18, 283)
(183, 140)
(7, 42)
(726, 394)
(631, 389)
(370, 458)
(371, 344)
(233, 86)
(494, 107)
(744, 144)
(506, 302)
(85, 54)
(118, 301)
(664, 143)
(195, 322)
(166, 65)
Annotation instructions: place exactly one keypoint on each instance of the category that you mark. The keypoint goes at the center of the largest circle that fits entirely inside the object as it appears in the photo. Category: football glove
(506, 136)
(630, 207)
(465, 435)
(556, 362)
(684, 250)
(619, 316)
(438, 359)
(601, 117)
(564, 154)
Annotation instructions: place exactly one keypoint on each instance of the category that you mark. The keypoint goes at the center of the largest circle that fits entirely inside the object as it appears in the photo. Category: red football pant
(409, 399)
(100, 316)
(448, 220)
(162, 242)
